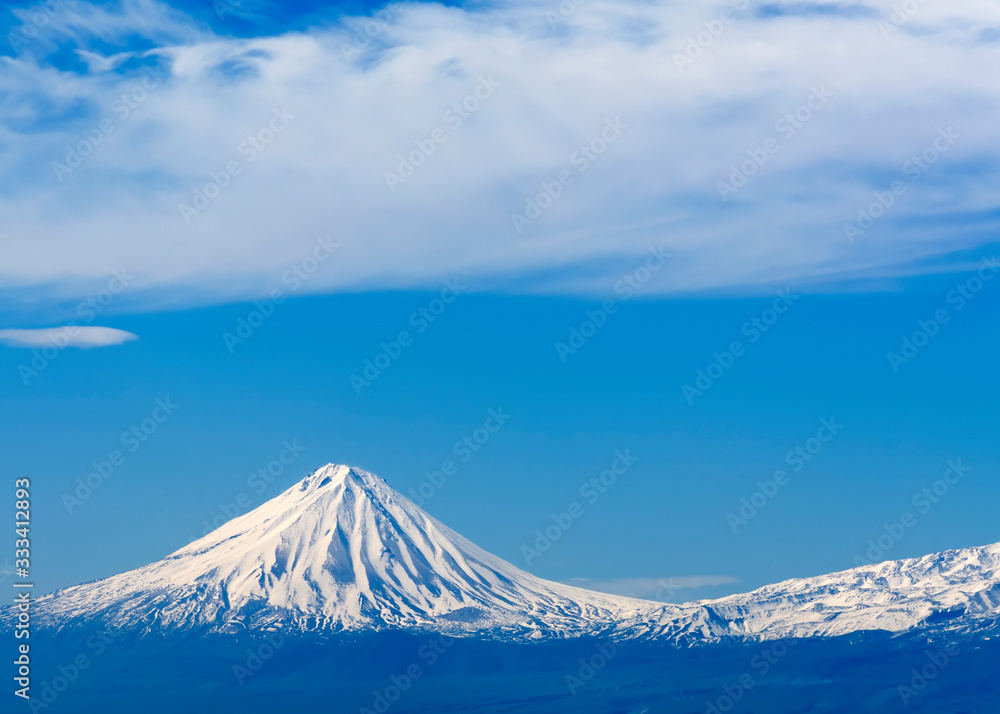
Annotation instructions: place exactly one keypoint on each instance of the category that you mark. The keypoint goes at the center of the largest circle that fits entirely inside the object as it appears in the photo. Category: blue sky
(695, 267)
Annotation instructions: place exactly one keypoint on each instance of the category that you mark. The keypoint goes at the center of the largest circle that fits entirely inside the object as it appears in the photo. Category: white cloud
(68, 336)
(666, 588)
(353, 117)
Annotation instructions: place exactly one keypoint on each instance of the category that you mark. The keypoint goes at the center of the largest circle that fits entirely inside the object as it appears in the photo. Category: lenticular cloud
(69, 336)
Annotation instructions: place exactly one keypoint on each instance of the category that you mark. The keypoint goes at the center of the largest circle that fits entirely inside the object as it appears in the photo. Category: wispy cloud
(666, 588)
(68, 336)
(101, 157)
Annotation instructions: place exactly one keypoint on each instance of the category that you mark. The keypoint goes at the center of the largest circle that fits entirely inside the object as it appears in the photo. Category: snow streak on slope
(342, 552)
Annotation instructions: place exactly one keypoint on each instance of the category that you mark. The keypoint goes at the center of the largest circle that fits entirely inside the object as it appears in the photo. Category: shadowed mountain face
(342, 553)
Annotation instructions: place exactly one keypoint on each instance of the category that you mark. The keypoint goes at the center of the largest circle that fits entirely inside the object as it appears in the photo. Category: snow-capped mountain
(953, 589)
(341, 551)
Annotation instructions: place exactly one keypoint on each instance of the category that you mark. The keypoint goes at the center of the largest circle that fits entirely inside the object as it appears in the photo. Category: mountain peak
(333, 476)
(338, 487)
(341, 550)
